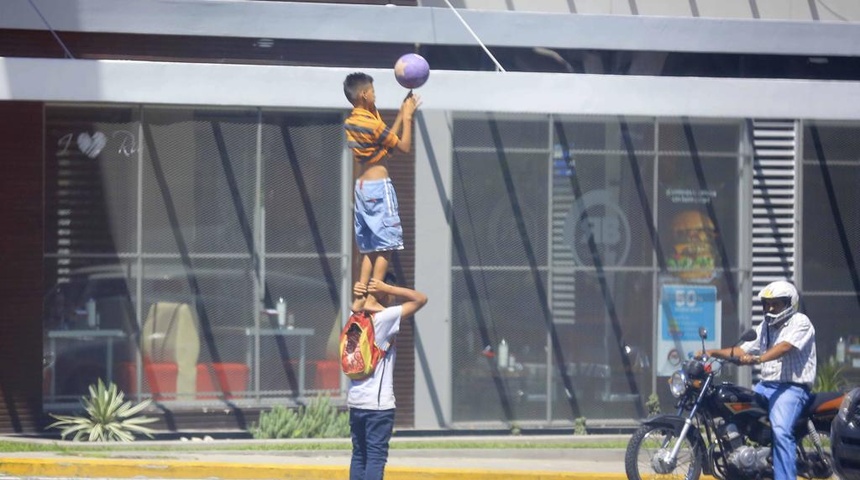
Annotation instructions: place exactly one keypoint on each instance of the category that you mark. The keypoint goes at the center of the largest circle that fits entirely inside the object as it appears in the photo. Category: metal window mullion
(655, 287)
(260, 281)
(798, 204)
(138, 282)
(745, 240)
(745, 232)
(549, 276)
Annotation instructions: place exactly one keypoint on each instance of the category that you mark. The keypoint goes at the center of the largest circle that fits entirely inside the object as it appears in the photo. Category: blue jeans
(785, 402)
(371, 431)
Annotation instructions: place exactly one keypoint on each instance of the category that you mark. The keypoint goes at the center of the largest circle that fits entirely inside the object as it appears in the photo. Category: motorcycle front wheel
(648, 452)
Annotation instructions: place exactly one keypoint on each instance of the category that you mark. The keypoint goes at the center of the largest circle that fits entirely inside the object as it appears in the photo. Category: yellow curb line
(410, 473)
(113, 468)
(126, 468)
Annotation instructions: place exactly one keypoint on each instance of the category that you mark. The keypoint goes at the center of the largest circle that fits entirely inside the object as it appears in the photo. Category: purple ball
(411, 70)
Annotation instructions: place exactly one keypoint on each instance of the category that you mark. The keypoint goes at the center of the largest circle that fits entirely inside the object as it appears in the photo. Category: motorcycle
(722, 429)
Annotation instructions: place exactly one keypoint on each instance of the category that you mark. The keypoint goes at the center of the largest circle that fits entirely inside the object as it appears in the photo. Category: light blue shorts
(377, 219)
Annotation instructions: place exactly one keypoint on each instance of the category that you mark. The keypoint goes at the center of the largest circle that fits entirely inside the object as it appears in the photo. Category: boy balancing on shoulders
(371, 401)
(377, 220)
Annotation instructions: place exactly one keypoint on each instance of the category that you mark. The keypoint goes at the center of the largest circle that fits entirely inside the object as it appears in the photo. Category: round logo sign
(595, 217)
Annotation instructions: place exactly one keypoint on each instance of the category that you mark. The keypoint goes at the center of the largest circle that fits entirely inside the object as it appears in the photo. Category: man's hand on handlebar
(747, 359)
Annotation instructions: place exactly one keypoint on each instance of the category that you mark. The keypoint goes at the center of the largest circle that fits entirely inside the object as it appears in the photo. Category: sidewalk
(547, 462)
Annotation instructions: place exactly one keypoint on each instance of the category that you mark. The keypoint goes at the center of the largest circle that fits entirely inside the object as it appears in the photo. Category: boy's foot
(357, 304)
(372, 305)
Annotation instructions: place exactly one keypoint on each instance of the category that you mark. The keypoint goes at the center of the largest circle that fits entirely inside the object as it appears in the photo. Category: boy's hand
(359, 289)
(410, 104)
(377, 286)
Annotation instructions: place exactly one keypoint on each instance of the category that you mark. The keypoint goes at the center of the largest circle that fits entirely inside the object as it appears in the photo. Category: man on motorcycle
(785, 349)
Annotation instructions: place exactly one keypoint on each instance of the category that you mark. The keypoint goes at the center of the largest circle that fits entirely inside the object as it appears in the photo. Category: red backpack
(359, 354)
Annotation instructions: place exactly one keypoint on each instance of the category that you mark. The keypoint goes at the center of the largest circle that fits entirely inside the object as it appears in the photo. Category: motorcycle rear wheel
(649, 442)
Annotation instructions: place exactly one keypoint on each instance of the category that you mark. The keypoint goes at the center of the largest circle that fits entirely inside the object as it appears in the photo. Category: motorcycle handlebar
(710, 360)
(734, 360)
(703, 357)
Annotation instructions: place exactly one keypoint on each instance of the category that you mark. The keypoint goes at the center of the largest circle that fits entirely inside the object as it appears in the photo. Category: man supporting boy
(371, 401)
(378, 231)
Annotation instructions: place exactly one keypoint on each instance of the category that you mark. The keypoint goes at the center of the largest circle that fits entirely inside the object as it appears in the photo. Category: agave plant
(319, 419)
(108, 417)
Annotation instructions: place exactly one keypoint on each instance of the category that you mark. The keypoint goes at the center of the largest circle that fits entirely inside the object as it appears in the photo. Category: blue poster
(689, 307)
(682, 311)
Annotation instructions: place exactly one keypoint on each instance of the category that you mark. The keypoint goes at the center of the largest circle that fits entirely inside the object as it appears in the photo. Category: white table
(83, 335)
(252, 357)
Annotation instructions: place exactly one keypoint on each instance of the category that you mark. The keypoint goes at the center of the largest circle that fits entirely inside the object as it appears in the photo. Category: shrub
(319, 419)
(579, 426)
(108, 417)
(828, 377)
(653, 405)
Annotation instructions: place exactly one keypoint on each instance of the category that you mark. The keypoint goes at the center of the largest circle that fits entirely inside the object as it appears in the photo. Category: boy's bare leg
(379, 264)
(363, 278)
(366, 269)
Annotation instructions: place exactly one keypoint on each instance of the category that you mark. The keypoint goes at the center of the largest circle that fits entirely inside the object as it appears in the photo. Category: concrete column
(433, 269)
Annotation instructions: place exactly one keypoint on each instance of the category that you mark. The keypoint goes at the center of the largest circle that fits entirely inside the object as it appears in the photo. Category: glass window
(198, 179)
(500, 189)
(560, 322)
(184, 308)
(830, 227)
(831, 172)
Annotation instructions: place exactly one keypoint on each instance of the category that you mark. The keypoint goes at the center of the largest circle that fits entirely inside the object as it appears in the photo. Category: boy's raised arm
(414, 299)
(410, 104)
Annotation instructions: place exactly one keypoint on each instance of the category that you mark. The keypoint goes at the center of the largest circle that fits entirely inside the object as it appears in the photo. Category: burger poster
(682, 311)
(693, 254)
(697, 216)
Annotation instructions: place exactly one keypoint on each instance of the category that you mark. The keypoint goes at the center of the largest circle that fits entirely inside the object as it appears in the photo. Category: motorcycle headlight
(678, 383)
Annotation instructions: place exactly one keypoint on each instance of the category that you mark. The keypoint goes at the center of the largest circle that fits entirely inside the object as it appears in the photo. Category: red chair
(327, 375)
(170, 347)
(159, 378)
(216, 380)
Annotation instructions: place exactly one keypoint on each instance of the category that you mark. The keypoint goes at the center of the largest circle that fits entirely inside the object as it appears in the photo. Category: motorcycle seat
(824, 402)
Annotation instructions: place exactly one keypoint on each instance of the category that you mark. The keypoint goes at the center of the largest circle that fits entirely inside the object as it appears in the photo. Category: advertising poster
(683, 309)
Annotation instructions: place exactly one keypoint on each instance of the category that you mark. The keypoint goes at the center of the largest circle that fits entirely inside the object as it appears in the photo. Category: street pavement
(548, 461)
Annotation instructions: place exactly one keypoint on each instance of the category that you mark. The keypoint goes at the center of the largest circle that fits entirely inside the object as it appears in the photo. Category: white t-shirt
(377, 391)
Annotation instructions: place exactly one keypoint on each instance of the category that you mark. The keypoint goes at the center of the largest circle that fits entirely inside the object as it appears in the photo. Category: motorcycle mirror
(703, 334)
(747, 336)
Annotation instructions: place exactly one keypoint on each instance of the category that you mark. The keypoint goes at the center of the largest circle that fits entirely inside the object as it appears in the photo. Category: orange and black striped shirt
(368, 136)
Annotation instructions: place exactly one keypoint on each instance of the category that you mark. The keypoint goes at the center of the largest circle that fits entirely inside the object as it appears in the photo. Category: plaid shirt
(796, 366)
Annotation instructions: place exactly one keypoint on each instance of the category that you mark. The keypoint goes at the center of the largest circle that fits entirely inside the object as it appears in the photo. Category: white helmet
(784, 292)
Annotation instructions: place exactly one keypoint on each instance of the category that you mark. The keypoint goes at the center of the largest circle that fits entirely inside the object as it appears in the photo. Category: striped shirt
(368, 136)
(796, 366)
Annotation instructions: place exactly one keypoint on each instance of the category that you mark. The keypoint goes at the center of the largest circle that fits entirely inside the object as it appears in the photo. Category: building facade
(576, 207)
